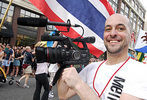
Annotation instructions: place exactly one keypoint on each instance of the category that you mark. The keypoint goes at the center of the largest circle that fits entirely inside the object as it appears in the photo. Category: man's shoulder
(137, 68)
(135, 63)
(93, 65)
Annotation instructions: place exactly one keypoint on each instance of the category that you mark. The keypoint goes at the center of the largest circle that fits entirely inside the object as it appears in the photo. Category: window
(32, 15)
(22, 11)
(114, 7)
(121, 12)
(141, 24)
(143, 14)
(25, 13)
(122, 5)
(134, 25)
(116, 1)
(138, 28)
(133, 3)
(135, 17)
(4, 5)
(137, 7)
(3, 8)
(28, 13)
(10, 13)
(11, 8)
(37, 16)
(140, 11)
(1, 16)
(3, 11)
(127, 9)
(127, 14)
(131, 14)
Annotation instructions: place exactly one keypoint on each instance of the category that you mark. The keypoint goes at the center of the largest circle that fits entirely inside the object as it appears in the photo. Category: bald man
(117, 78)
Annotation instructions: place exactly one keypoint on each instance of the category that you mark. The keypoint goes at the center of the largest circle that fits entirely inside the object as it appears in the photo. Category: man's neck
(116, 58)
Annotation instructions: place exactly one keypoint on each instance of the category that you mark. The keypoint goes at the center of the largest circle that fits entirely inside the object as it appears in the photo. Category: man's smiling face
(117, 33)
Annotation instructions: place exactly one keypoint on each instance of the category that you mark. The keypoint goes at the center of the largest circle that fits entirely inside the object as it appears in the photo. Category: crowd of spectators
(11, 59)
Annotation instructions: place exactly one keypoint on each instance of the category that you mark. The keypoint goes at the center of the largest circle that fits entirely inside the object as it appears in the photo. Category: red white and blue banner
(141, 45)
(90, 14)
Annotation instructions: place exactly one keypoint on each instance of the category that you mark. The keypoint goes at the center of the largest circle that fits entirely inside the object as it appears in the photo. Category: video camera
(67, 53)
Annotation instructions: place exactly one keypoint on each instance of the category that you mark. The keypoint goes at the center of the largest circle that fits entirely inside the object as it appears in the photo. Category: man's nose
(113, 33)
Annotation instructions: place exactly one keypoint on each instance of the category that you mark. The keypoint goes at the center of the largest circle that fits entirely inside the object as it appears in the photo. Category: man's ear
(132, 36)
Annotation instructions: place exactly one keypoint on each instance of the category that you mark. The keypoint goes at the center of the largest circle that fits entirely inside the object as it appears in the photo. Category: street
(13, 92)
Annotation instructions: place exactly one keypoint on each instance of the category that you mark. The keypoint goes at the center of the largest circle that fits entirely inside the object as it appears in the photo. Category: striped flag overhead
(90, 14)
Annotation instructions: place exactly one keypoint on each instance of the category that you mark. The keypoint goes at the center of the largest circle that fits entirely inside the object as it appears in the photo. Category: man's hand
(65, 84)
(71, 77)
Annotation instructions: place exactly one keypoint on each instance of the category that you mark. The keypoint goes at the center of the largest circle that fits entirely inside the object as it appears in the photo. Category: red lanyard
(109, 79)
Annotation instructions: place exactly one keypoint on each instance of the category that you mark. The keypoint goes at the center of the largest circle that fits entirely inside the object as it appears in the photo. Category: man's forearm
(10, 58)
(64, 92)
(85, 92)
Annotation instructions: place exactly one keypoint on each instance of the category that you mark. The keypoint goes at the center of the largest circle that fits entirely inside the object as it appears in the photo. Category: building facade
(134, 10)
(20, 34)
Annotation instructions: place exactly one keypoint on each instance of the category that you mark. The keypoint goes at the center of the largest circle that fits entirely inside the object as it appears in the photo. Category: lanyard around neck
(109, 79)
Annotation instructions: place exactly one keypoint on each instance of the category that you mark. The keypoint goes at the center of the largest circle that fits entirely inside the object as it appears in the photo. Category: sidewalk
(14, 92)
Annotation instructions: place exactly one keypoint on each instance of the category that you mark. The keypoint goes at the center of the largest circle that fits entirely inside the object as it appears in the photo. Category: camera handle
(58, 73)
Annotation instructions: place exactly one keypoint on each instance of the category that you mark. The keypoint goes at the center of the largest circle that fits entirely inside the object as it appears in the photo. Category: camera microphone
(87, 39)
(40, 22)
(60, 38)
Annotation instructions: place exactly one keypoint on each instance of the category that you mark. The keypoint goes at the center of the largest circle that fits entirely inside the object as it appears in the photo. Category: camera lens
(76, 55)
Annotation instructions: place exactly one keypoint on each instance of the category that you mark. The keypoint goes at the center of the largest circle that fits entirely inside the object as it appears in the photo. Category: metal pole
(10, 2)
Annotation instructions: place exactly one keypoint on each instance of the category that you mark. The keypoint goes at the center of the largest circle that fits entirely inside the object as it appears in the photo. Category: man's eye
(107, 29)
(120, 29)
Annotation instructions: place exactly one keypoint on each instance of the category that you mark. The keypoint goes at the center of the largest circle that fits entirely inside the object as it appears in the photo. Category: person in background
(134, 54)
(28, 59)
(41, 79)
(23, 50)
(92, 60)
(117, 78)
(145, 58)
(8, 58)
(52, 71)
(16, 62)
(1, 55)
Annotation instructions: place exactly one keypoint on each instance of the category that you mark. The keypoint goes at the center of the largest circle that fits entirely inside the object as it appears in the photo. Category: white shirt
(53, 67)
(130, 79)
(42, 68)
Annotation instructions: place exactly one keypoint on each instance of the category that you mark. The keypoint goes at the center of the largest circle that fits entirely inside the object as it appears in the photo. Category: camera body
(62, 55)
(67, 53)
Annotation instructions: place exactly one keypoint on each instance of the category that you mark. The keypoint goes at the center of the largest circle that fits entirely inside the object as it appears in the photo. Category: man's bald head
(120, 17)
